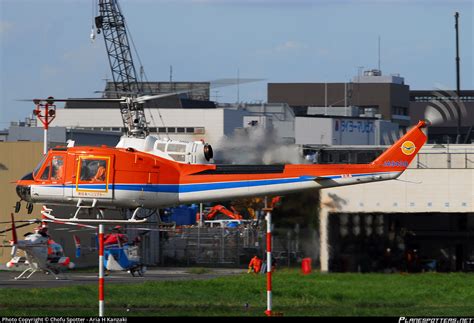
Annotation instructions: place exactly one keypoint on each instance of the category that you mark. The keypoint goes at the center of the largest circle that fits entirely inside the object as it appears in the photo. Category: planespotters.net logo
(408, 147)
(403, 319)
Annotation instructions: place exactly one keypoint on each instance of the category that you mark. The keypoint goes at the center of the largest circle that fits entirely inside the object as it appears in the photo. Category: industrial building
(373, 93)
(387, 97)
(332, 130)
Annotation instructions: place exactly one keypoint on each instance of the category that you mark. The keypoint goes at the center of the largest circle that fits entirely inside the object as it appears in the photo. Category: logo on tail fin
(408, 147)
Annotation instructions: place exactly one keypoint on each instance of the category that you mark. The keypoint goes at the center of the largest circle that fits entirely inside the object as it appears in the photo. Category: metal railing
(444, 160)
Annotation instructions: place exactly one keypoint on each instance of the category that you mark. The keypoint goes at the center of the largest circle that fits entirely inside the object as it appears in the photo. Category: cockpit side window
(38, 167)
(46, 173)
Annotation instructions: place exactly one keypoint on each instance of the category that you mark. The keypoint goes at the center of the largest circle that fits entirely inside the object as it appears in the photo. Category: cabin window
(178, 157)
(93, 170)
(57, 169)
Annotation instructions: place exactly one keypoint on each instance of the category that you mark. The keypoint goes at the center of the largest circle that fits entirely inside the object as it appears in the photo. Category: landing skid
(31, 271)
(100, 216)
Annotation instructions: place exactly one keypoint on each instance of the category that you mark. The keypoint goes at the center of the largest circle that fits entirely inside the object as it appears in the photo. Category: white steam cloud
(257, 145)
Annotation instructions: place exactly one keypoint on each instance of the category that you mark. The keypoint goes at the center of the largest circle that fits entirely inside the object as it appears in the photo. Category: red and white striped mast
(101, 270)
(268, 218)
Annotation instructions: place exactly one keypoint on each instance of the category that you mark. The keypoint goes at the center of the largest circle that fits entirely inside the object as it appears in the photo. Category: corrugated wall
(16, 159)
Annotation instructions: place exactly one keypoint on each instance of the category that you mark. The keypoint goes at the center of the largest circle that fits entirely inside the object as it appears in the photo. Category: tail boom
(215, 184)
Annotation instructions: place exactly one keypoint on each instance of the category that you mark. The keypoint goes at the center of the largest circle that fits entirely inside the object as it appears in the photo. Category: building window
(400, 111)
(365, 157)
(199, 130)
(195, 130)
(344, 157)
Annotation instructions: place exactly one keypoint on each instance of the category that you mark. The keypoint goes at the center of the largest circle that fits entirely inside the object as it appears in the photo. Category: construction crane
(111, 23)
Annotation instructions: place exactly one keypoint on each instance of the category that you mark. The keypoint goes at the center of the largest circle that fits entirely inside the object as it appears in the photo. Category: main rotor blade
(22, 221)
(141, 99)
(214, 84)
(16, 227)
(33, 221)
(73, 100)
(233, 81)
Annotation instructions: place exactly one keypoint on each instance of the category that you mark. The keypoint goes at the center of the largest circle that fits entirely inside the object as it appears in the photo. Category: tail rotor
(444, 108)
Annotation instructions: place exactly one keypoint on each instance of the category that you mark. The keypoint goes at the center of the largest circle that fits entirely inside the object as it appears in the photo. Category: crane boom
(112, 24)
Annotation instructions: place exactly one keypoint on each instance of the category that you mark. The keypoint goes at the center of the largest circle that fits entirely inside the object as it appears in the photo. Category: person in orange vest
(255, 265)
(58, 169)
(100, 175)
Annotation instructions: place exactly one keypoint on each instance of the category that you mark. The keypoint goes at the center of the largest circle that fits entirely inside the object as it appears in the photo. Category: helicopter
(42, 253)
(120, 254)
(136, 179)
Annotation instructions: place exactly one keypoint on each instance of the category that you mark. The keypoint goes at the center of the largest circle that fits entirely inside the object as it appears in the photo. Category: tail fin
(14, 235)
(77, 243)
(14, 241)
(401, 153)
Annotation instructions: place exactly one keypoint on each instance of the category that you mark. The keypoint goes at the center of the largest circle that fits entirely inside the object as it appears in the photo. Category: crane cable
(94, 14)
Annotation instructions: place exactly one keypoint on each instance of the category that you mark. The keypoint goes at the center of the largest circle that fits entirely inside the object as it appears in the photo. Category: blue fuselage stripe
(188, 188)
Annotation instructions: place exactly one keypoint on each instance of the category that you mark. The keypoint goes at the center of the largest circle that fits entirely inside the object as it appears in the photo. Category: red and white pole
(101, 270)
(45, 126)
(268, 312)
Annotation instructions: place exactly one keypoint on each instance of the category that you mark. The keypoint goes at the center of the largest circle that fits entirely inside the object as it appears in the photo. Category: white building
(320, 130)
(428, 211)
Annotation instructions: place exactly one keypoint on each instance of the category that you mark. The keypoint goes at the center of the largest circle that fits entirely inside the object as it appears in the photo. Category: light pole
(45, 112)
(458, 78)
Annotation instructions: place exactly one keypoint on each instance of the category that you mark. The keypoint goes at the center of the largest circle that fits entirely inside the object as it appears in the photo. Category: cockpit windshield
(38, 167)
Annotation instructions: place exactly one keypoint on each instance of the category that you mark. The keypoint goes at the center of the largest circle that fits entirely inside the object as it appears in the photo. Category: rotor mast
(112, 24)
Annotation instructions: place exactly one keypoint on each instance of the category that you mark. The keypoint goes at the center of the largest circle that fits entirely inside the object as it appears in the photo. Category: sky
(45, 46)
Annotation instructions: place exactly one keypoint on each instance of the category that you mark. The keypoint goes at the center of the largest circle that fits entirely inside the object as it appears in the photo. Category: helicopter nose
(22, 190)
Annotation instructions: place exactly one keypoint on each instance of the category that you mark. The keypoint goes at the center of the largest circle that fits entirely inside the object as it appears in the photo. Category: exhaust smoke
(257, 145)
